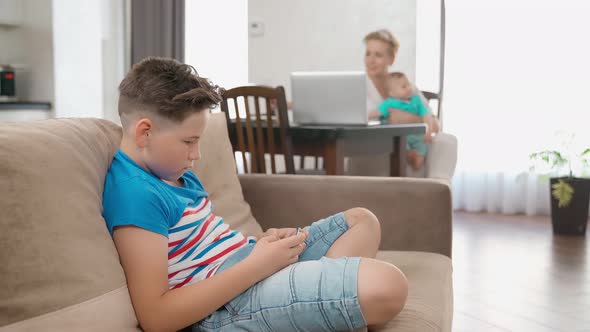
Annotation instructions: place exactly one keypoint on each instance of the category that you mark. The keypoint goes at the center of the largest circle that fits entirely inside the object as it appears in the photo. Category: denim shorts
(417, 143)
(315, 294)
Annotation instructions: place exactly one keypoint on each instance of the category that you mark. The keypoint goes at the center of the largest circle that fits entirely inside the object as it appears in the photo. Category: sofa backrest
(55, 250)
(217, 171)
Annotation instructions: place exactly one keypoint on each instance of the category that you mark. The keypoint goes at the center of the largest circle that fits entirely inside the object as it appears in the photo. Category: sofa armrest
(415, 214)
(442, 157)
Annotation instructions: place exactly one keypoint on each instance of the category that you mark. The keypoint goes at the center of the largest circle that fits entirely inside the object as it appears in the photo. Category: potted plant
(570, 194)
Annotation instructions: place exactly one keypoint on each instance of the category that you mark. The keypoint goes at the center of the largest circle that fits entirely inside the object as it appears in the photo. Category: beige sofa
(59, 267)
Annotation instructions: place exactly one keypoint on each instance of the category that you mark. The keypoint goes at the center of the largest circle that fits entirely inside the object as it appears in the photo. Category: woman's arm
(144, 257)
(398, 116)
(432, 122)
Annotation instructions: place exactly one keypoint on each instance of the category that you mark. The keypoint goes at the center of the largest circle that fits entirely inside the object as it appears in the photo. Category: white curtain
(517, 72)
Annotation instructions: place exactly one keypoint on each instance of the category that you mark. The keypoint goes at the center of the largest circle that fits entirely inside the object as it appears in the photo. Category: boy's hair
(165, 87)
(385, 36)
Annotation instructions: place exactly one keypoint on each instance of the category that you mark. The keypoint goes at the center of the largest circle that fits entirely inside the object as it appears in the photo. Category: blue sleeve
(135, 203)
(422, 110)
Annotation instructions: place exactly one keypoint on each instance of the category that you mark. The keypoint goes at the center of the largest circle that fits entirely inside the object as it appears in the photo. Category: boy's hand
(272, 254)
(280, 233)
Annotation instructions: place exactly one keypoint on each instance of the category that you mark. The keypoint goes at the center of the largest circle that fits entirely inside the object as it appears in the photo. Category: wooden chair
(250, 130)
(430, 96)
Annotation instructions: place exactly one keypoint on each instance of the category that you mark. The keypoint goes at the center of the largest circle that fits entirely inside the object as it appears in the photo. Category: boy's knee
(395, 289)
(384, 294)
(360, 215)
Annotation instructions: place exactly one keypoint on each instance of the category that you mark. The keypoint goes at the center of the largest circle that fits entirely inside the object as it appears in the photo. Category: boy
(185, 267)
(401, 97)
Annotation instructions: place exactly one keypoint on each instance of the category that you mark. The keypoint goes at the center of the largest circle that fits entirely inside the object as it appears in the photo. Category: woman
(381, 50)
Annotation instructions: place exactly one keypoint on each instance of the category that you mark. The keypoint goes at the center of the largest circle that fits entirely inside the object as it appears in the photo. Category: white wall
(313, 35)
(78, 58)
(216, 40)
(12, 37)
(28, 46)
(37, 28)
(13, 52)
(113, 18)
(88, 57)
(428, 44)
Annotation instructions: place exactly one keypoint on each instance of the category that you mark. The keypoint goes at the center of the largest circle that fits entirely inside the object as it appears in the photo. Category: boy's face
(171, 148)
(400, 88)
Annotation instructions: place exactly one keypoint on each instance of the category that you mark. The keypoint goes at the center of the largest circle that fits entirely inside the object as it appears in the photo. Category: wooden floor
(512, 274)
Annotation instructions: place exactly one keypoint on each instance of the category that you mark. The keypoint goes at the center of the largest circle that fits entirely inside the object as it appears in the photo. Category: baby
(402, 96)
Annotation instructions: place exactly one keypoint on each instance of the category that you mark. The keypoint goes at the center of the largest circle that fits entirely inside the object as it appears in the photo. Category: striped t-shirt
(198, 240)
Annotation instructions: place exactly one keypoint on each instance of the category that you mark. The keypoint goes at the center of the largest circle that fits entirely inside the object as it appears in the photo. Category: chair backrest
(260, 131)
(430, 96)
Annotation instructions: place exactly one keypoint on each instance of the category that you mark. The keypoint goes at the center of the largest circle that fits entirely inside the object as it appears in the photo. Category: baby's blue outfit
(413, 106)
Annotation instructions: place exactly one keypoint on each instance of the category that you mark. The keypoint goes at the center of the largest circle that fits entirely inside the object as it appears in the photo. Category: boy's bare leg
(362, 237)
(382, 291)
(382, 287)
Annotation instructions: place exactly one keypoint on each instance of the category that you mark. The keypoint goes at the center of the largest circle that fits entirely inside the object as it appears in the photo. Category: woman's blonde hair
(386, 37)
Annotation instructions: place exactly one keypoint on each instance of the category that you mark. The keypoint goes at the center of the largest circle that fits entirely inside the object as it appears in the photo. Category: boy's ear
(143, 128)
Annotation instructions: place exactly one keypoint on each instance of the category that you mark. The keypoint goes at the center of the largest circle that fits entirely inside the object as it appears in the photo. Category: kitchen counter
(24, 111)
(24, 105)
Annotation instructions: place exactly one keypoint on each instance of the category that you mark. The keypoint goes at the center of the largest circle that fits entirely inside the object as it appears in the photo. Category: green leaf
(563, 193)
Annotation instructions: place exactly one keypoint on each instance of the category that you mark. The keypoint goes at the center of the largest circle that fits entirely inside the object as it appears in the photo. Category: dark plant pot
(572, 219)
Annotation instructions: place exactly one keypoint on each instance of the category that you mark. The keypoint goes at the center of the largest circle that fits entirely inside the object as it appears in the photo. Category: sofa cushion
(430, 297)
(217, 171)
(55, 250)
(87, 316)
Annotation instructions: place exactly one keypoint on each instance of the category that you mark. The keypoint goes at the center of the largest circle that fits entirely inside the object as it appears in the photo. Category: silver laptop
(329, 98)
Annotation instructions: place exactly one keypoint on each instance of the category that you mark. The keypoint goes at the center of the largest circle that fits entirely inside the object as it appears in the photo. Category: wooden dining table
(335, 142)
